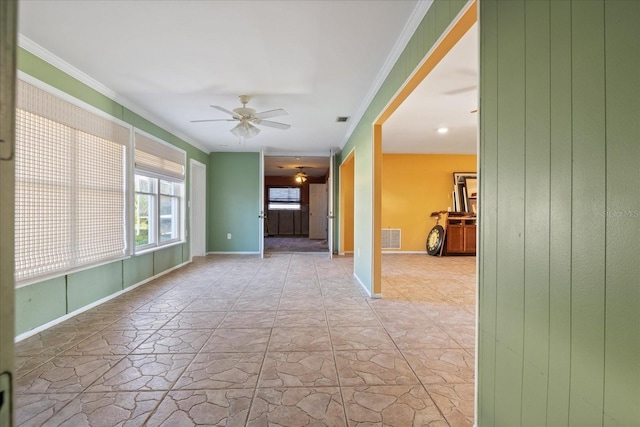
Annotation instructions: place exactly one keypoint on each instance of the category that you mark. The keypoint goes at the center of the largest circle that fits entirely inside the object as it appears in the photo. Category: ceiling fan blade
(224, 110)
(272, 124)
(270, 113)
(213, 120)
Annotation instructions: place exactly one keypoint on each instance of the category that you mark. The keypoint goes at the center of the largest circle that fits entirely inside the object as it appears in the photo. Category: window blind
(70, 186)
(284, 194)
(157, 159)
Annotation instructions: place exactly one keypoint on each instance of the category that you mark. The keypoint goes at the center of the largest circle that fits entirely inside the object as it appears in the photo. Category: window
(159, 189)
(70, 186)
(281, 198)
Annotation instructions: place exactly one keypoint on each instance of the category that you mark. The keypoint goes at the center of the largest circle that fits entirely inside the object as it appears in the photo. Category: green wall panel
(510, 207)
(165, 259)
(537, 220)
(88, 286)
(560, 211)
(40, 303)
(234, 202)
(622, 318)
(559, 231)
(136, 269)
(487, 265)
(588, 205)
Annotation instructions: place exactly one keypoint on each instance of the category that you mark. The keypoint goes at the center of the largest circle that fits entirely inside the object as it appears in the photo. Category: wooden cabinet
(460, 238)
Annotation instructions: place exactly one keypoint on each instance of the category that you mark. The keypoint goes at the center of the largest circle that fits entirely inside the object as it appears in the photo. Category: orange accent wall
(413, 186)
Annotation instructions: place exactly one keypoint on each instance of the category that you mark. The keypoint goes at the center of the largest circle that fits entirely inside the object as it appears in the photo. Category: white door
(317, 211)
(198, 229)
(261, 206)
(330, 222)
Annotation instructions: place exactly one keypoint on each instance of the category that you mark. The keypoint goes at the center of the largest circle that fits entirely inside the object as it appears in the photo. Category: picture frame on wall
(465, 191)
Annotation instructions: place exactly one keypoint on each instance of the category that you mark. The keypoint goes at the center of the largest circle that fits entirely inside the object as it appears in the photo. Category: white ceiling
(444, 99)
(169, 60)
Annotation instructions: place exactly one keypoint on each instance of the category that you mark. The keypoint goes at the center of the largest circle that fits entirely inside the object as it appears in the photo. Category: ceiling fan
(247, 118)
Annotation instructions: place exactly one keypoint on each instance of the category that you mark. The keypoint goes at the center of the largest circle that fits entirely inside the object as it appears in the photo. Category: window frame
(280, 205)
(74, 266)
(158, 177)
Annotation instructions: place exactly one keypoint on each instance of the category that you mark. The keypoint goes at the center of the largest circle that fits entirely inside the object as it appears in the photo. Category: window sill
(158, 248)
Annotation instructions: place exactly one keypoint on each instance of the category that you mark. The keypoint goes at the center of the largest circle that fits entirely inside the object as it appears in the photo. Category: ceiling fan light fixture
(245, 130)
(300, 177)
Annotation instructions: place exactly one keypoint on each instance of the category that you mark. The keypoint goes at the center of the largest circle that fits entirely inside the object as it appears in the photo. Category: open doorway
(296, 204)
(429, 131)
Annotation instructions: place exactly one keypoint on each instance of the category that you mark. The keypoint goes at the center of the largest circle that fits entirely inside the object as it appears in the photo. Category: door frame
(193, 165)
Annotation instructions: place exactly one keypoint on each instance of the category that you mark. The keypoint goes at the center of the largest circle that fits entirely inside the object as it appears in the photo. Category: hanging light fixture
(245, 129)
(300, 177)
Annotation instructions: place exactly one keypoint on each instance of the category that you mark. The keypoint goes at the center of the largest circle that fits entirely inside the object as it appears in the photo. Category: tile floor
(289, 340)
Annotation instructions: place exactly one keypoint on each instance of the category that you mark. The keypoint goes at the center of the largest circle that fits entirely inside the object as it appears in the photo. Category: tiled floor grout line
(245, 277)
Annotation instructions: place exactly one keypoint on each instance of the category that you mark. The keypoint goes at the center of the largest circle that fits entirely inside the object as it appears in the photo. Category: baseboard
(68, 316)
(404, 252)
(232, 253)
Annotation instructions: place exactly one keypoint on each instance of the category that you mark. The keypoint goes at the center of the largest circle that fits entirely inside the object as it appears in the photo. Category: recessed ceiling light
(443, 130)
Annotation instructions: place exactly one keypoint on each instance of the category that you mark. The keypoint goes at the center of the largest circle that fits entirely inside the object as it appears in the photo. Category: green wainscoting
(40, 303)
(87, 286)
(560, 222)
(137, 269)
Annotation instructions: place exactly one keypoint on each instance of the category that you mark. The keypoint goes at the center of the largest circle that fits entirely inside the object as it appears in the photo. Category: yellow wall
(346, 205)
(413, 186)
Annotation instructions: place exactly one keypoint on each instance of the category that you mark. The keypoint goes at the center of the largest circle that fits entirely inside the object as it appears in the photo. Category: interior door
(330, 222)
(261, 215)
(198, 211)
(317, 211)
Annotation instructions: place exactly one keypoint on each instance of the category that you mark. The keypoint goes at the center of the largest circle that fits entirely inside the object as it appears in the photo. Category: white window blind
(158, 159)
(70, 186)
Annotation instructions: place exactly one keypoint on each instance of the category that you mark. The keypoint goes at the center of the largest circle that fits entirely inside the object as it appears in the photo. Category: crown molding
(409, 29)
(42, 53)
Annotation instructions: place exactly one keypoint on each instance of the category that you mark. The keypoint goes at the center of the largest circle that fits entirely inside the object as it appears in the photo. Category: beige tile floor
(290, 340)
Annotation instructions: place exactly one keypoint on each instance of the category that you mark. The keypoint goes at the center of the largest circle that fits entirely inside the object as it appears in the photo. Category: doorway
(293, 221)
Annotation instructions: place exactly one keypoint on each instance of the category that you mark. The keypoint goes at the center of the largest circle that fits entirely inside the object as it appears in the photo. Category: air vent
(342, 119)
(391, 238)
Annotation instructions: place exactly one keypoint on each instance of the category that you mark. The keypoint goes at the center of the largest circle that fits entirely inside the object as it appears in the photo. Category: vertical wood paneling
(536, 221)
(560, 225)
(510, 206)
(488, 174)
(622, 349)
(581, 213)
(588, 220)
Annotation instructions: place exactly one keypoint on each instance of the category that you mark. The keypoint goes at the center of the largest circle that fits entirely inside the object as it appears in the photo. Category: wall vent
(391, 238)
(342, 119)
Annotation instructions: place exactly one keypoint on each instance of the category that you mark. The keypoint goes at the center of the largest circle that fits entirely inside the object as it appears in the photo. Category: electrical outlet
(228, 236)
